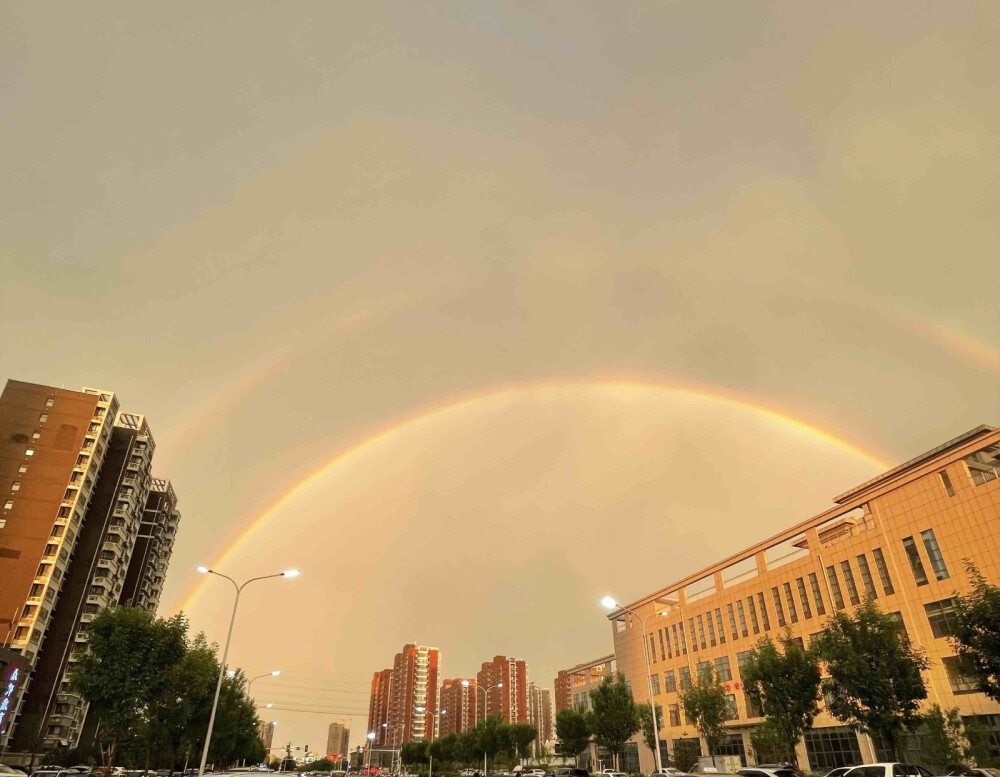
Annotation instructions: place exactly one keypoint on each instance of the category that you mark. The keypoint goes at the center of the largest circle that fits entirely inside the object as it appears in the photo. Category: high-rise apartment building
(900, 538)
(540, 716)
(338, 739)
(153, 547)
(412, 691)
(504, 689)
(573, 685)
(77, 470)
(458, 706)
(265, 730)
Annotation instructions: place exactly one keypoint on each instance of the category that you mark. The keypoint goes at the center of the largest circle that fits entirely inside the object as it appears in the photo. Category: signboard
(13, 678)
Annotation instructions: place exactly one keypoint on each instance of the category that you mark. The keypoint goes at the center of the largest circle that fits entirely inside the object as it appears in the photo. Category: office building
(458, 706)
(901, 538)
(503, 690)
(573, 685)
(338, 739)
(403, 705)
(77, 471)
(540, 716)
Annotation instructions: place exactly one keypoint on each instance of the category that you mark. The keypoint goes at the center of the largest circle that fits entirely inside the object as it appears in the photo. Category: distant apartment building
(265, 730)
(573, 685)
(503, 684)
(410, 691)
(458, 706)
(338, 738)
(154, 545)
(900, 538)
(540, 716)
(74, 477)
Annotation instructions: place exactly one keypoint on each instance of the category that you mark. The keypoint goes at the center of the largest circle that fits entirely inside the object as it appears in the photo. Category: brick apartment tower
(458, 704)
(412, 691)
(74, 473)
(510, 702)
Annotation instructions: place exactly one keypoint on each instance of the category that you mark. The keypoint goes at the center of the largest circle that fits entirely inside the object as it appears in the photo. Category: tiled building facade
(504, 689)
(901, 538)
(403, 705)
(573, 685)
(458, 706)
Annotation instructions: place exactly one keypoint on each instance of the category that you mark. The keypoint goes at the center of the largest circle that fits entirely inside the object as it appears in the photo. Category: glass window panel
(883, 572)
(838, 597)
(934, 554)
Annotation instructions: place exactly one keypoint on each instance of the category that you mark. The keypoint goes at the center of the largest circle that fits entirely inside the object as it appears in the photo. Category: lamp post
(486, 704)
(368, 760)
(611, 604)
(225, 652)
(430, 756)
(275, 673)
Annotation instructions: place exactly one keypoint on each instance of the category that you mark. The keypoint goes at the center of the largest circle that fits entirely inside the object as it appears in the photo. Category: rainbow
(429, 414)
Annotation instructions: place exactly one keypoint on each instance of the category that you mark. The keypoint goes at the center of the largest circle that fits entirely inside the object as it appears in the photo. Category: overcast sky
(553, 300)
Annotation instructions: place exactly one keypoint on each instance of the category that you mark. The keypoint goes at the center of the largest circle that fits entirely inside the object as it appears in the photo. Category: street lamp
(225, 653)
(368, 760)
(430, 756)
(610, 604)
(275, 673)
(486, 704)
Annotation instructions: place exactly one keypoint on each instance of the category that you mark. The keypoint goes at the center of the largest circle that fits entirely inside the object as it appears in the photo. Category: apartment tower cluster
(83, 526)
(409, 703)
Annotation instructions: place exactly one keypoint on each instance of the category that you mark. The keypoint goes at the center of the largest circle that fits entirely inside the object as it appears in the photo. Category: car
(840, 771)
(57, 771)
(966, 771)
(888, 769)
(10, 771)
(667, 771)
(766, 771)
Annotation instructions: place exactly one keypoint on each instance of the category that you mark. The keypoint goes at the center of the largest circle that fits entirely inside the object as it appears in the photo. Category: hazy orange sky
(551, 301)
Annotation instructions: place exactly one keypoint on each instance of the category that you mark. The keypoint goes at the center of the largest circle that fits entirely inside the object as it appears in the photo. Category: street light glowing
(499, 685)
(268, 706)
(204, 570)
(275, 673)
(371, 734)
(290, 573)
(465, 683)
(420, 709)
(609, 603)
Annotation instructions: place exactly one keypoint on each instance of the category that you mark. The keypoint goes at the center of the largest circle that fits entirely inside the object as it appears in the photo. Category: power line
(320, 712)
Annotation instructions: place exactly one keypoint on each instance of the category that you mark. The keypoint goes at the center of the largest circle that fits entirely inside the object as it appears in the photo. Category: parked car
(764, 771)
(57, 771)
(890, 769)
(968, 771)
(840, 771)
(10, 771)
(666, 771)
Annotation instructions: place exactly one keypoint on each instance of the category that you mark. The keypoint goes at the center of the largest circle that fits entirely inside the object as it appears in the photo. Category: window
(70, 494)
(654, 681)
(852, 588)
(651, 650)
(704, 669)
(742, 659)
(711, 628)
(694, 638)
(669, 681)
(960, 682)
(659, 635)
(96, 590)
(763, 611)
(946, 482)
(732, 711)
(743, 618)
(36, 590)
(8, 505)
(43, 418)
(984, 465)
(831, 578)
(779, 610)
(35, 435)
(866, 576)
(732, 621)
(753, 711)
(753, 615)
(800, 585)
(92, 429)
(685, 673)
(49, 402)
(675, 715)
(831, 747)
(883, 572)
(15, 486)
(722, 670)
(679, 645)
(718, 626)
(22, 469)
(29, 452)
(701, 633)
(934, 554)
(63, 511)
(942, 617)
(3, 522)
(897, 617)
(792, 612)
(916, 565)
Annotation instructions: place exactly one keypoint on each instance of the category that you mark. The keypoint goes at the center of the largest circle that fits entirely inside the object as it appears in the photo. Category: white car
(764, 771)
(890, 769)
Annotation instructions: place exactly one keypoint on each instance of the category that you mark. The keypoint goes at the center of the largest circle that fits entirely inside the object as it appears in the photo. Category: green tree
(785, 687)
(413, 753)
(875, 682)
(707, 706)
(444, 749)
(977, 635)
(686, 754)
(573, 730)
(615, 717)
(520, 737)
(646, 724)
(942, 743)
(768, 744)
(129, 653)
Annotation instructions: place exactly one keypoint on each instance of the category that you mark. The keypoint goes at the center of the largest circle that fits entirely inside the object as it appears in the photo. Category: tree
(977, 635)
(943, 741)
(785, 687)
(686, 754)
(412, 753)
(574, 731)
(444, 749)
(615, 717)
(875, 682)
(646, 724)
(521, 736)
(124, 668)
(769, 745)
(707, 705)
